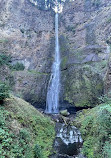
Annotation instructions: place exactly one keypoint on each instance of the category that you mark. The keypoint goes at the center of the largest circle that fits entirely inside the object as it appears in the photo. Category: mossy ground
(95, 127)
(22, 128)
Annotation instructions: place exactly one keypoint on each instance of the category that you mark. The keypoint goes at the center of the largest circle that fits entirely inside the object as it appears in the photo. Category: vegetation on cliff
(24, 132)
(95, 127)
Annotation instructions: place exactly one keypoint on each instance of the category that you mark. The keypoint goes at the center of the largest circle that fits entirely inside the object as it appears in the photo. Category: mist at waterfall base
(52, 101)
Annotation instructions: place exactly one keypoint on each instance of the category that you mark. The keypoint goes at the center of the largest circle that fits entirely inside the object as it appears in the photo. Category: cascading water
(52, 102)
(68, 142)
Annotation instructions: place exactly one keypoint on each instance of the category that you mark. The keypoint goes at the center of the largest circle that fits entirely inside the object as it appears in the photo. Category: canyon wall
(27, 34)
(85, 30)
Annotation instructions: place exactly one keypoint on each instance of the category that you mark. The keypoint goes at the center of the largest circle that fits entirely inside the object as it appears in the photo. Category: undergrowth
(95, 127)
(24, 132)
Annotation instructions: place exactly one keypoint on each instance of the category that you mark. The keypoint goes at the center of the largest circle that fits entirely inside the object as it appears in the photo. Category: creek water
(68, 142)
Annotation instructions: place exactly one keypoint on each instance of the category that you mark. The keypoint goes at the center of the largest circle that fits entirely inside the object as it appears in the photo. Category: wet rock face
(26, 33)
(83, 86)
(85, 28)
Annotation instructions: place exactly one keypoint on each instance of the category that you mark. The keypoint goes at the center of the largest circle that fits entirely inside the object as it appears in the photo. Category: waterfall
(52, 101)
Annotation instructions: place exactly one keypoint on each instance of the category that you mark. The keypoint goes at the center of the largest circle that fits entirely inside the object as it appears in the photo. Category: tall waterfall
(52, 102)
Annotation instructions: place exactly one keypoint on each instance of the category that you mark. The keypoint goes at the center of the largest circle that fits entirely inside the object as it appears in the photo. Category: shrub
(4, 91)
(18, 66)
(37, 152)
(104, 99)
(107, 150)
(24, 134)
(95, 130)
(71, 28)
(4, 59)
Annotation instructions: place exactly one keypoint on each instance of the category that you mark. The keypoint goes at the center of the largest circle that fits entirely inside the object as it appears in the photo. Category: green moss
(37, 73)
(4, 91)
(108, 20)
(64, 62)
(3, 40)
(4, 59)
(83, 87)
(17, 67)
(100, 66)
(64, 46)
(71, 28)
(96, 3)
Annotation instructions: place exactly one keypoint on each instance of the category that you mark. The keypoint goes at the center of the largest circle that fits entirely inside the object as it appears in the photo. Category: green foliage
(4, 59)
(71, 28)
(95, 127)
(96, 3)
(21, 127)
(18, 67)
(4, 91)
(3, 40)
(108, 20)
(83, 87)
(87, 147)
(24, 134)
(104, 99)
(64, 62)
(107, 150)
(37, 152)
(10, 144)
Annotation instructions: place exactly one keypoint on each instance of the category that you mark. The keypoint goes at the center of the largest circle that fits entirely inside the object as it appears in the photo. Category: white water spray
(52, 102)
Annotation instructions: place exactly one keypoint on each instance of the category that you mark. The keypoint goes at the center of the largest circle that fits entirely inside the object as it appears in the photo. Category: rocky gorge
(27, 47)
(27, 34)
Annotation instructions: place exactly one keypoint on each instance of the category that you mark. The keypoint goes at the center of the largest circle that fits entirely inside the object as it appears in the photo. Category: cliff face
(26, 33)
(85, 26)
(84, 32)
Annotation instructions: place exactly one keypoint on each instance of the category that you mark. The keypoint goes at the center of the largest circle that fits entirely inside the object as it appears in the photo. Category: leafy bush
(71, 28)
(37, 152)
(24, 134)
(21, 127)
(12, 145)
(95, 127)
(18, 66)
(4, 91)
(4, 59)
(107, 150)
(104, 99)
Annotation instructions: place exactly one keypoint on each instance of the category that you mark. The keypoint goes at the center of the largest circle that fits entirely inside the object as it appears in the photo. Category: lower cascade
(52, 101)
(69, 134)
(68, 142)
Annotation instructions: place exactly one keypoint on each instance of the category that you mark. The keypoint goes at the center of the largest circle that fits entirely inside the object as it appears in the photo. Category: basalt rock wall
(85, 30)
(27, 34)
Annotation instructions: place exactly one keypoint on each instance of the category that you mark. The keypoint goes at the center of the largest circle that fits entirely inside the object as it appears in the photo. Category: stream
(68, 142)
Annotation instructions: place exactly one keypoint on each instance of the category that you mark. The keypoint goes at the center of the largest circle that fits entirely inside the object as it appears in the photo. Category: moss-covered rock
(83, 86)
(64, 113)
